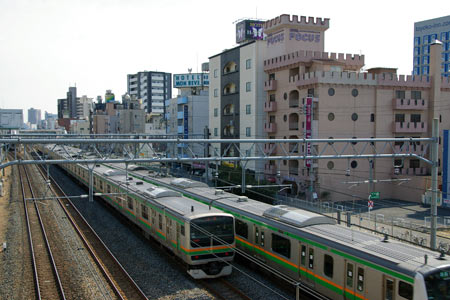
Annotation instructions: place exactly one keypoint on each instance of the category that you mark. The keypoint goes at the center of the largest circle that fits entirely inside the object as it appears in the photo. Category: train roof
(170, 199)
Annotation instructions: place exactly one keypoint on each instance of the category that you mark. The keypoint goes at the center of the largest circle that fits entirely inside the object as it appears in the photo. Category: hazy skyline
(48, 45)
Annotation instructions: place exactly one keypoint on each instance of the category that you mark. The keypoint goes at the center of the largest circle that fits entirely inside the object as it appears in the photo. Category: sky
(48, 45)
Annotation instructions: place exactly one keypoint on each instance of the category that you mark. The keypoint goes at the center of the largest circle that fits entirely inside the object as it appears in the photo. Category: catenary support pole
(434, 183)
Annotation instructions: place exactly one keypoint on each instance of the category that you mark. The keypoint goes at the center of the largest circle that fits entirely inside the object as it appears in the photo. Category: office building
(34, 116)
(152, 88)
(425, 33)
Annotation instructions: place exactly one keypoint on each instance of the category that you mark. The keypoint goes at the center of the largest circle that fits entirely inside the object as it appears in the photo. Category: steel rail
(47, 243)
(96, 258)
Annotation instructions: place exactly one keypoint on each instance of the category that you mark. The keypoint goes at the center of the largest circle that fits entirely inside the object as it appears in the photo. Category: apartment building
(314, 94)
(152, 87)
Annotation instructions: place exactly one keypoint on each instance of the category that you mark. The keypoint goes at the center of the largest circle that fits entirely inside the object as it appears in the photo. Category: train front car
(433, 281)
(211, 245)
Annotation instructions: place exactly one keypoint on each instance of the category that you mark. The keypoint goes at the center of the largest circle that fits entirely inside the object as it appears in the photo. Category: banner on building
(190, 80)
(249, 30)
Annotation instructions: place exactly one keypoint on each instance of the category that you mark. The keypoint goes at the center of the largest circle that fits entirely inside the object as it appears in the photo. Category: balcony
(410, 104)
(270, 169)
(182, 100)
(409, 127)
(411, 171)
(270, 85)
(415, 149)
(270, 127)
(269, 149)
(270, 106)
(180, 115)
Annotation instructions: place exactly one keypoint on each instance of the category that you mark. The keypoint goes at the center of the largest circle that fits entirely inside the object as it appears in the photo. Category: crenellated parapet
(301, 56)
(393, 80)
(319, 23)
(352, 78)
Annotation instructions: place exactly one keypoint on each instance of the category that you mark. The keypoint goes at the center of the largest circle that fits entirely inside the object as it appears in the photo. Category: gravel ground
(15, 261)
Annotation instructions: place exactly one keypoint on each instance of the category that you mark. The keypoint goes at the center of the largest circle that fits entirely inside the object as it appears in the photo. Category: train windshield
(438, 285)
(218, 230)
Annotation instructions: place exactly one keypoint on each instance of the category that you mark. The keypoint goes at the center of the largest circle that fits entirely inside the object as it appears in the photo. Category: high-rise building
(68, 107)
(152, 88)
(34, 116)
(425, 33)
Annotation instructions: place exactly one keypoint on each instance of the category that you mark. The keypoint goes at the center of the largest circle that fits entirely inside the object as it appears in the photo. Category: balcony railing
(270, 85)
(270, 169)
(414, 127)
(415, 149)
(411, 171)
(270, 127)
(269, 149)
(270, 106)
(293, 126)
(411, 104)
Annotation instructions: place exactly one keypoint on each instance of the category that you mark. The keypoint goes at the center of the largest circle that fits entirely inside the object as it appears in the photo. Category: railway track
(46, 277)
(119, 280)
(223, 289)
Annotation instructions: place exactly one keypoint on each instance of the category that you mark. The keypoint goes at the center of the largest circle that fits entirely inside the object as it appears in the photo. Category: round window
(354, 116)
(330, 165)
(285, 96)
(330, 92)
(331, 116)
(285, 118)
(353, 164)
(354, 92)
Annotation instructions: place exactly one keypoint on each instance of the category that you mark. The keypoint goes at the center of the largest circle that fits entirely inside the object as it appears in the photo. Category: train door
(178, 239)
(355, 281)
(349, 282)
(388, 288)
(306, 267)
(168, 231)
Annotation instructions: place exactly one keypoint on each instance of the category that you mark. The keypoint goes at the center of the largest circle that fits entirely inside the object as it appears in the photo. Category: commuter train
(200, 235)
(336, 261)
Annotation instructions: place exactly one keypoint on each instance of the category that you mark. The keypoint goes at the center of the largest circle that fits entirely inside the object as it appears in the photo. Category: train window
(130, 202)
(144, 211)
(108, 189)
(256, 235)
(328, 265)
(160, 222)
(311, 258)
(242, 229)
(262, 238)
(281, 245)
(389, 291)
(101, 185)
(153, 216)
(360, 284)
(303, 255)
(349, 275)
(95, 181)
(182, 230)
(405, 290)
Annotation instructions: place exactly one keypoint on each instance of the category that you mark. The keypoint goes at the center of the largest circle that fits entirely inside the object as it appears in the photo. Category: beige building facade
(347, 103)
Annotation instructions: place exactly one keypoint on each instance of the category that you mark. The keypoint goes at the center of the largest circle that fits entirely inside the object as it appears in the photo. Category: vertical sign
(185, 119)
(308, 125)
(445, 169)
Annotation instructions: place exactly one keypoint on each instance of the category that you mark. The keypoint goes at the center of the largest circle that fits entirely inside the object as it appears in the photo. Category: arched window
(228, 110)
(229, 89)
(230, 67)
